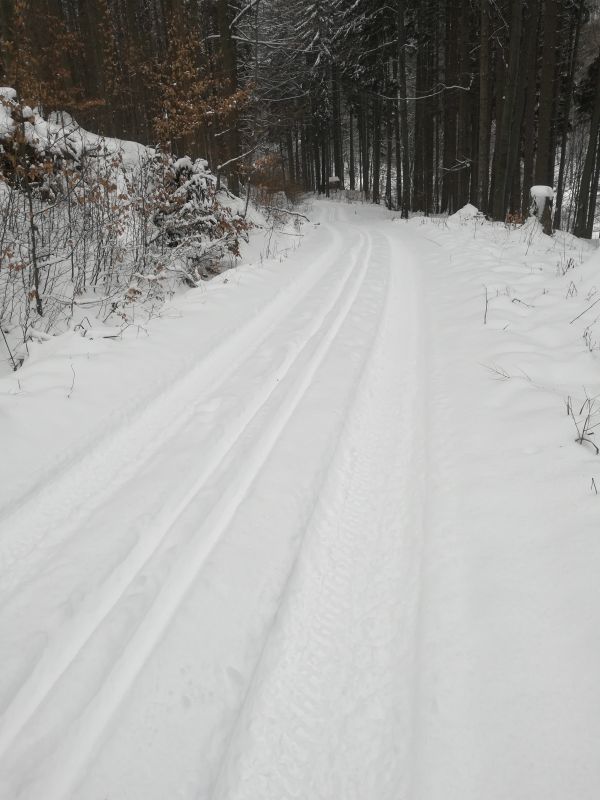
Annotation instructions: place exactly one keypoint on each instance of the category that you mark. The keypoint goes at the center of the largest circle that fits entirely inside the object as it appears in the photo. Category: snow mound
(540, 195)
(542, 192)
(466, 212)
(61, 135)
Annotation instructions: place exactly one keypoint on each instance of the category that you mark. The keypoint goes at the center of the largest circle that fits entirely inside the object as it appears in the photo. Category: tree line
(425, 105)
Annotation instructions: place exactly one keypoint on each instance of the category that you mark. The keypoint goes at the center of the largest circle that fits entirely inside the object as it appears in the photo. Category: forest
(299, 399)
(198, 107)
(422, 105)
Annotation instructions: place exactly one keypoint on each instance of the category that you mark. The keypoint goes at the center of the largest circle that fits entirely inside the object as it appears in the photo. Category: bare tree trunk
(530, 108)
(364, 143)
(388, 152)
(544, 168)
(567, 113)
(338, 153)
(376, 149)
(483, 167)
(450, 107)
(351, 167)
(509, 126)
(403, 110)
(586, 187)
(228, 54)
(593, 196)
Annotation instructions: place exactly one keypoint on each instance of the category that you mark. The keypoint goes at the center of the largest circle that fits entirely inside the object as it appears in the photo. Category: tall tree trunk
(364, 143)
(229, 57)
(544, 167)
(404, 202)
(568, 95)
(351, 167)
(483, 165)
(509, 127)
(450, 111)
(464, 107)
(593, 196)
(587, 188)
(514, 174)
(325, 167)
(531, 72)
(388, 153)
(289, 146)
(338, 154)
(376, 149)
(317, 162)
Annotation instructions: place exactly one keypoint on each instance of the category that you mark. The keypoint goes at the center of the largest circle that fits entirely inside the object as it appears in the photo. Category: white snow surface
(323, 533)
(539, 195)
(468, 211)
(61, 133)
(542, 191)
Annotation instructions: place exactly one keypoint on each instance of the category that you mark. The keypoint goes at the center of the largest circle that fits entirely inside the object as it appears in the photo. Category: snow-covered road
(255, 585)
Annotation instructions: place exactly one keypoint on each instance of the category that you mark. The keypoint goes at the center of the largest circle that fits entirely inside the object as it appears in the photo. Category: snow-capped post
(542, 199)
(334, 183)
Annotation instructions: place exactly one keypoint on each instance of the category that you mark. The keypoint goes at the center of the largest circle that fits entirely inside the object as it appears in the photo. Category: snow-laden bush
(193, 222)
(95, 229)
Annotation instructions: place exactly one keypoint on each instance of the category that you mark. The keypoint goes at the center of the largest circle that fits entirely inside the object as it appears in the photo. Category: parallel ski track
(138, 433)
(157, 617)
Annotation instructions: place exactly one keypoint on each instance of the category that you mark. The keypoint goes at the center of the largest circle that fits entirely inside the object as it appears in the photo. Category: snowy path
(329, 708)
(271, 578)
(170, 587)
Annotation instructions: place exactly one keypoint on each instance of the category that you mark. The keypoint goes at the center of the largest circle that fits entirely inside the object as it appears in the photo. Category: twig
(583, 439)
(499, 371)
(585, 312)
(72, 383)
(285, 211)
(486, 306)
(516, 300)
(222, 166)
(9, 350)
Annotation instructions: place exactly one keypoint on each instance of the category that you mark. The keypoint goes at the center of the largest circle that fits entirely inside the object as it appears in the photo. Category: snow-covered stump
(542, 200)
(334, 184)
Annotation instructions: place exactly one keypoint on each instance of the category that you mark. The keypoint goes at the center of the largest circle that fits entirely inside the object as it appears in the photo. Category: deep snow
(321, 531)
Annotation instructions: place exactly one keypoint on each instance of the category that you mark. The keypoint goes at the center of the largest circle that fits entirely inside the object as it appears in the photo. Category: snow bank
(510, 657)
(469, 211)
(61, 135)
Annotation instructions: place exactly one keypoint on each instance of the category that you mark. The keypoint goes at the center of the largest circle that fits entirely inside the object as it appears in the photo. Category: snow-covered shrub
(92, 228)
(192, 220)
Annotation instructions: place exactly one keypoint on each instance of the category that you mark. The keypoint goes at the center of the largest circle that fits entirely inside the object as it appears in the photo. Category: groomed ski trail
(168, 611)
(329, 712)
(319, 553)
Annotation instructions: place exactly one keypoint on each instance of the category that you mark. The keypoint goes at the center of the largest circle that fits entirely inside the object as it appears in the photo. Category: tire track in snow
(157, 618)
(328, 713)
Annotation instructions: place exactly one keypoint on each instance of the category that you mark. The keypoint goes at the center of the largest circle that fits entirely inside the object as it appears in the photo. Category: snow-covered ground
(321, 530)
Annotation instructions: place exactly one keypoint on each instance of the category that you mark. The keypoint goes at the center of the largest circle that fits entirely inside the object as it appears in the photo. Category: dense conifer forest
(422, 105)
